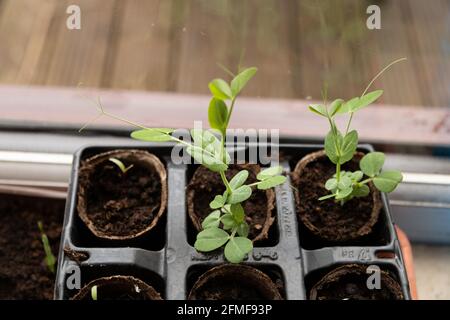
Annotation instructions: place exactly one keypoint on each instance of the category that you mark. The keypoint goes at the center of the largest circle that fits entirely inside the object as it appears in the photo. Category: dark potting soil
(334, 220)
(122, 204)
(211, 185)
(23, 272)
(351, 284)
(233, 287)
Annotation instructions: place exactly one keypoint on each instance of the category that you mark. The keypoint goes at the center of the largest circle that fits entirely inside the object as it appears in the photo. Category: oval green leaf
(238, 212)
(228, 221)
(211, 239)
(212, 220)
(239, 179)
(269, 172)
(217, 114)
(220, 89)
(237, 248)
(372, 163)
(387, 181)
(271, 182)
(153, 134)
(239, 82)
(240, 194)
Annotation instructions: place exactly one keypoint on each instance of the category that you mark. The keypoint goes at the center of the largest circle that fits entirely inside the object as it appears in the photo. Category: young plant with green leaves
(50, 259)
(225, 225)
(340, 148)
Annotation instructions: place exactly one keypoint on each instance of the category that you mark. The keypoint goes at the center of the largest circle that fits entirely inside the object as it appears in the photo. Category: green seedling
(225, 225)
(121, 165)
(94, 293)
(341, 147)
(50, 259)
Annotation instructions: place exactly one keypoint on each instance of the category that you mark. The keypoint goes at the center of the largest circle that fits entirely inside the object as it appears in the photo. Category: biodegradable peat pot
(205, 185)
(327, 219)
(350, 282)
(118, 288)
(121, 206)
(234, 282)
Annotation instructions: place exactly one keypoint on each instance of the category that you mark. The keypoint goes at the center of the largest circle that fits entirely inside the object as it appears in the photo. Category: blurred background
(178, 46)
(149, 59)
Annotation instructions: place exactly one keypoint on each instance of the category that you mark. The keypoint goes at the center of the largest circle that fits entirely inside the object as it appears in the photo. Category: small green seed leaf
(238, 212)
(212, 220)
(217, 114)
(239, 82)
(367, 99)
(344, 183)
(217, 203)
(239, 179)
(331, 184)
(349, 145)
(387, 181)
(357, 175)
(94, 293)
(240, 194)
(333, 146)
(349, 105)
(269, 172)
(372, 163)
(237, 248)
(220, 89)
(153, 134)
(361, 191)
(228, 221)
(121, 165)
(243, 229)
(335, 106)
(341, 194)
(211, 239)
(271, 182)
(319, 109)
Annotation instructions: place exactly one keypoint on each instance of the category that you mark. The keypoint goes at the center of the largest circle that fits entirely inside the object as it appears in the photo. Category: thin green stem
(370, 83)
(229, 113)
(338, 171)
(226, 183)
(365, 181)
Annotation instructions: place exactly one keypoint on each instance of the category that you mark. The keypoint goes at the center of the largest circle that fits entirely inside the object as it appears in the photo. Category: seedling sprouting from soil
(121, 165)
(340, 148)
(94, 293)
(225, 225)
(50, 259)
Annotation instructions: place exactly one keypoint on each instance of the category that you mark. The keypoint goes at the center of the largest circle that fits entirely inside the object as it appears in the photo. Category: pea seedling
(50, 259)
(121, 165)
(94, 293)
(340, 148)
(225, 225)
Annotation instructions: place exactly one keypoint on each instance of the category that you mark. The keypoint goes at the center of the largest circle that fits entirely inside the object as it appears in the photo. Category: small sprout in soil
(121, 165)
(225, 225)
(50, 259)
(94, 293)
(340, 148)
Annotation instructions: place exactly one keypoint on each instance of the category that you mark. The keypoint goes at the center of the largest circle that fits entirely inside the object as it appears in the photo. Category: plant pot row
(136, 230)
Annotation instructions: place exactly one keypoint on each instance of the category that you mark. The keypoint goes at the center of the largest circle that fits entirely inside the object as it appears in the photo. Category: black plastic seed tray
(166, 259)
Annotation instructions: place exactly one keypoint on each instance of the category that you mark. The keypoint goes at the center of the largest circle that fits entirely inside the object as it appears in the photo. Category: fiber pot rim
(237, 270)
(270, 195)
(151, 293)
(393, 285)
(364, 229)
(137, 155)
